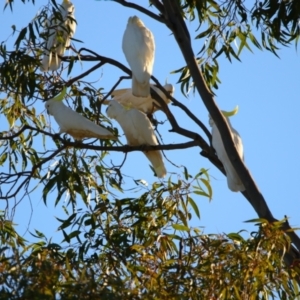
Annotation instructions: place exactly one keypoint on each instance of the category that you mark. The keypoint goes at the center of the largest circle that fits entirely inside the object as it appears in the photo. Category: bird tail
(50, 62)
(45, 62)
(140, 89)
(54, 63)
(156, 160)
(233, 181)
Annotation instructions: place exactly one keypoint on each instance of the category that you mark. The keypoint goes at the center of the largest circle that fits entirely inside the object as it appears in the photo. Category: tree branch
(141, 9)
(254, 195)
(124, 149)
(29, 174)
(176, 24)
(66, 144)
(183, 107)
(71, 81)
(176, 128)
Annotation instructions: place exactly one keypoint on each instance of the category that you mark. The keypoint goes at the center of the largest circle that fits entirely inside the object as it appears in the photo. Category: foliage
(129, 264)
(116, 247)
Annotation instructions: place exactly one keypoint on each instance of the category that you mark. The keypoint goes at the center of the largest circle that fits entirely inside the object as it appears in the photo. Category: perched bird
(146, 105)
(59, 31)
(138, 131)
(73, 123)
(233, 180)
(139, 47)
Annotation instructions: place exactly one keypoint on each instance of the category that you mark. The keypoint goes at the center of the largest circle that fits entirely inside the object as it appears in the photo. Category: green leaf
(194, 206)
(31, 34)
(66, 223)
(73, 234)
(66, 237)
(258, 220)
(209, 189)
(3, 158)
(21, 37)
(180, 227)
(48, 187)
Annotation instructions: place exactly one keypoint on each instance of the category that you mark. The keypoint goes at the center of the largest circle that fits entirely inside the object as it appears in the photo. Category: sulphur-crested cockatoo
(138, 131)
(73, 123)
(145, 104)
(139, 48)
(59, 32)
(233, 180)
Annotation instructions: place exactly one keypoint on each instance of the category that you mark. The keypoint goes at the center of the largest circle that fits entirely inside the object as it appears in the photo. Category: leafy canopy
(116, 246)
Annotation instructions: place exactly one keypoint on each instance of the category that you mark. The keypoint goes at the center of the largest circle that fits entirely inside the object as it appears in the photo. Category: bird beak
(230, 113)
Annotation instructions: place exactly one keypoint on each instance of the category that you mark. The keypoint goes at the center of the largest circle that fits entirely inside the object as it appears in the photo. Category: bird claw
(56, 136)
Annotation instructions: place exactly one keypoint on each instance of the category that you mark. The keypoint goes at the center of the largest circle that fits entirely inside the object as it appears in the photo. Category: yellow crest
(230, 113)
(61, 96)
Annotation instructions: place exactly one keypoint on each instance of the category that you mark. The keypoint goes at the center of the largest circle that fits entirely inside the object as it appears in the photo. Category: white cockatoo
(147, 104)
(233, 180)
(59, 32)
(138, 131)
(73, 123)
(139, 48)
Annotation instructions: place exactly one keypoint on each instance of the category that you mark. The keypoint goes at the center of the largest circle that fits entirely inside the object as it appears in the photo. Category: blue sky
(265, 88)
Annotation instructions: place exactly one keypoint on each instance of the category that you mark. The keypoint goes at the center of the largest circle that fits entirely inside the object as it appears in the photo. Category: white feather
(139, 48)
(233, 180)
(75, 124)
(59, 33)
(138, 131)
(147, 105)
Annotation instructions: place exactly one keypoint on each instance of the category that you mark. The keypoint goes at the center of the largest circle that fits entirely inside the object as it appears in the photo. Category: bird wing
(143, 127)
(233, 180)
(130, 101)
(76, 125)
(144, 104)
(144, 135)
(120, 92)
(238, 143)
(69, 25)
(138, 131)
(51, 41)
(59, 36)
(139, 48)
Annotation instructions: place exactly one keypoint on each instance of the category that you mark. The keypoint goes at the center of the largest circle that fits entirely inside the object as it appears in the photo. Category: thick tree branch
(176, 24)
(255, 197)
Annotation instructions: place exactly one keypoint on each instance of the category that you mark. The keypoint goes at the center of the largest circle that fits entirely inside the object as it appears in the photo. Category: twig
(141, 9)
(97, 66)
